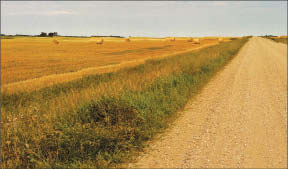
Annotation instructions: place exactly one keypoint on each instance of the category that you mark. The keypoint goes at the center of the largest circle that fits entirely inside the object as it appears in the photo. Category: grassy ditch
(99, 120)
(280, 40)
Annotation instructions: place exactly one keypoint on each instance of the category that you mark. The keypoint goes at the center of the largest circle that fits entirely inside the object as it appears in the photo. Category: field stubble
(29, 58)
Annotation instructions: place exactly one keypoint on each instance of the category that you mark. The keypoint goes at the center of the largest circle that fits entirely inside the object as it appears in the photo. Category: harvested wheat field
(51, 60)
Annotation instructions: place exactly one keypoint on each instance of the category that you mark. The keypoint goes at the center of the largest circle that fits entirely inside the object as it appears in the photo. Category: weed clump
(109, 111)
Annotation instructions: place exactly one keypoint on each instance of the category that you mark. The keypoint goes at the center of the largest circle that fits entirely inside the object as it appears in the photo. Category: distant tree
(51, 34)
(22, 35)
(43, 34)
(270, 36)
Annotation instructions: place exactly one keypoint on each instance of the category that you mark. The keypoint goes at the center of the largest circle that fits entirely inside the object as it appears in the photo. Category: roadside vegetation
(282, 40)
(98, 120)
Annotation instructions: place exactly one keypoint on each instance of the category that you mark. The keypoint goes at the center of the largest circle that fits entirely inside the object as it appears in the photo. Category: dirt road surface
(238, 120)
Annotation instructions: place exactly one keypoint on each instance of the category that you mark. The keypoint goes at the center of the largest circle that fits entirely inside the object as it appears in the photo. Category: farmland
(172, 84)
(97, 120)
(26, 58)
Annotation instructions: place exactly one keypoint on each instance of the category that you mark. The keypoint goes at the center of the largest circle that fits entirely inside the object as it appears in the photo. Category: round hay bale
(55, 41)
(196, 40)
(173, 39)
(100, 42)
(190, 40)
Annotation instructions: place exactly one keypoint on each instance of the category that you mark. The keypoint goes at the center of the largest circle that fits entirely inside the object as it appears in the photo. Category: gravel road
(239, 119)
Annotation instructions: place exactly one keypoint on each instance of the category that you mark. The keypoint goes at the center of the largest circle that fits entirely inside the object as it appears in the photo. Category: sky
(144, 18)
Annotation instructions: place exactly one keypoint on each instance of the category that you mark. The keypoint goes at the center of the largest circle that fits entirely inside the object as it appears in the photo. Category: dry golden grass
(281, 39)
(33, 63)
(31, 120)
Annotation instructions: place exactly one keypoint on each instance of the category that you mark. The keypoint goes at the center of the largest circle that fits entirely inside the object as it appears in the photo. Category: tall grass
(280, 40)
(99, 120)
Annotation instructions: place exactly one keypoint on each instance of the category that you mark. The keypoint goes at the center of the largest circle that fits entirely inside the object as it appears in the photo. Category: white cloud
(42, 13)
(220, 3)
(60, 13)
(36, 8)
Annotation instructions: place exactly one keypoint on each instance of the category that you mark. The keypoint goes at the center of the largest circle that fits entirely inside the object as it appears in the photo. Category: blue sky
(143, 18)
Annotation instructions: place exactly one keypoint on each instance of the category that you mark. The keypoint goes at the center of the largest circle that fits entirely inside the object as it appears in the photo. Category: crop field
(26, 58)
(97, 120)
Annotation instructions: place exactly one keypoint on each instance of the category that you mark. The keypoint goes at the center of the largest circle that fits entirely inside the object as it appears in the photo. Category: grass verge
(280, 40)
(101, 129)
